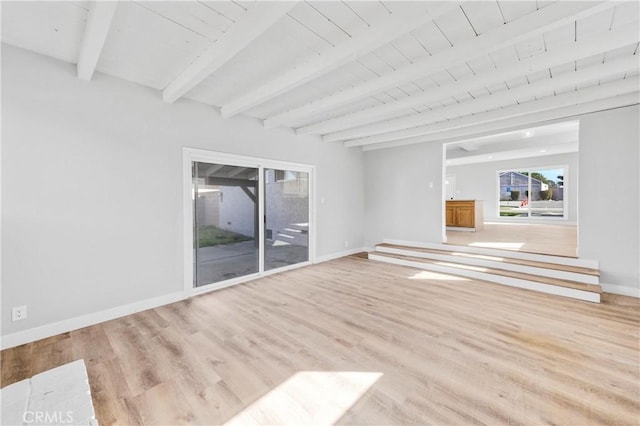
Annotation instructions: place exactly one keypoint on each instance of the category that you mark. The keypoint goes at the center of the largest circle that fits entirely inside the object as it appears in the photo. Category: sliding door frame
(189, 155)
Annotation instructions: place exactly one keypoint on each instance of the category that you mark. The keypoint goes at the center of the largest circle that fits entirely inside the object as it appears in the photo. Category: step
(280, 234)
(300, 227)
(567, 288)
(488, 259)
(295, 231)
(512, 254)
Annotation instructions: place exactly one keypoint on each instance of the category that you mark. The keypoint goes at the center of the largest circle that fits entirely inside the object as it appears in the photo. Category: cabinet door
(465, 217)
(451, 215)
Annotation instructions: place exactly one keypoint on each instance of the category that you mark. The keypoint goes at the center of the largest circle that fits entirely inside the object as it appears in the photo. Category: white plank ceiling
(370, 74)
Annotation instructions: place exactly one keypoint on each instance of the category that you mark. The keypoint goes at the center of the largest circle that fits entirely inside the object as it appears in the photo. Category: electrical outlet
(18, 313)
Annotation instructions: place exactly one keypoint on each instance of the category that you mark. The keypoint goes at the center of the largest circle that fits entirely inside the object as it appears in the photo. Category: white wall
(609, 215)
(400, 204)
(479, 181)
(92, 187)
(403, 194)
(237, 211)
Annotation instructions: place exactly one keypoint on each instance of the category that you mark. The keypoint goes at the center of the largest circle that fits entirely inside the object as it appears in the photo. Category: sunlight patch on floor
(509, 246)
(308, 398)
(428, 275)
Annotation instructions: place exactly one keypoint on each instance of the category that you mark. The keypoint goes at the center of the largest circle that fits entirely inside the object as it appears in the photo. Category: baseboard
(622, 290)
(459, 228)
(48, 330)
(327, 257)
(531, 221)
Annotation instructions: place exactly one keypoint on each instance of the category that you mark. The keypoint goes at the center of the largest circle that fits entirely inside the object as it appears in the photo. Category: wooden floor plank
(450, 350)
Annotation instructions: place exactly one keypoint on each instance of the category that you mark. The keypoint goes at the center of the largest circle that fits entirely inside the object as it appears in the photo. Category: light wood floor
(559, 240)
(449, 351)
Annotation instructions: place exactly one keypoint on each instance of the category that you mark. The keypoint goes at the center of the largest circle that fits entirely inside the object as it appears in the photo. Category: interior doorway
(526, 184)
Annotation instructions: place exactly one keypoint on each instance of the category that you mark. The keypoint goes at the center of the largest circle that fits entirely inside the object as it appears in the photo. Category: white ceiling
(363, 73)
(558, 138)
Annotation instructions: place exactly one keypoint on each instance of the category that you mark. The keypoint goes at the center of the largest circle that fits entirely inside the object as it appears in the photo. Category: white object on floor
(60, 396)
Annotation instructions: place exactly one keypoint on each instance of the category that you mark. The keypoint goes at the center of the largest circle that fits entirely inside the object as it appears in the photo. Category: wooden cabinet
(464, 214)
(450, 214)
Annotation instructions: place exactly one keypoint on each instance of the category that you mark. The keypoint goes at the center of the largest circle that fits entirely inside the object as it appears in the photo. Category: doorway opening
(524, 184)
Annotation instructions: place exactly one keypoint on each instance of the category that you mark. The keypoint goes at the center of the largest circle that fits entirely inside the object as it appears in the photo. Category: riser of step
(509, 281)
(545, 272)
(569, 261)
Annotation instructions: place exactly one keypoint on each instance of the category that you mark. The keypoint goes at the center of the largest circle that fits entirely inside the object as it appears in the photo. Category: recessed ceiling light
(543, 150)
(528, 134)
(490, 156)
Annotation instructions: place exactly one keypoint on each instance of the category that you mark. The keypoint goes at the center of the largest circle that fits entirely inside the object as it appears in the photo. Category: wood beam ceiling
(570, 52)
(589, 60)
(530, 25)
(375, 36)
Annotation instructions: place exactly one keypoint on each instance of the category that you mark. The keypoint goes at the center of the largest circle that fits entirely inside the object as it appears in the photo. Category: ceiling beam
(95, 34)
(396, 25)
(530, 25)
(213, 169)
(254, 22)
(540, 88)
(573, 51)
(224, 181)
(236, 171)
(518, 123)
(469, 124)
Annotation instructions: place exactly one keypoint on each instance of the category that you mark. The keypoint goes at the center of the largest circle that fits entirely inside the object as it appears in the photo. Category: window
(282, 175)
(532, 193)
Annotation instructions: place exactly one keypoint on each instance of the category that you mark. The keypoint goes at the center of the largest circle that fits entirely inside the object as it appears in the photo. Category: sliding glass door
(244, 216)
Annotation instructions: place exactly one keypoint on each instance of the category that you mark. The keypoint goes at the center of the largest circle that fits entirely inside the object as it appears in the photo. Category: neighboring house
(514, 181)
